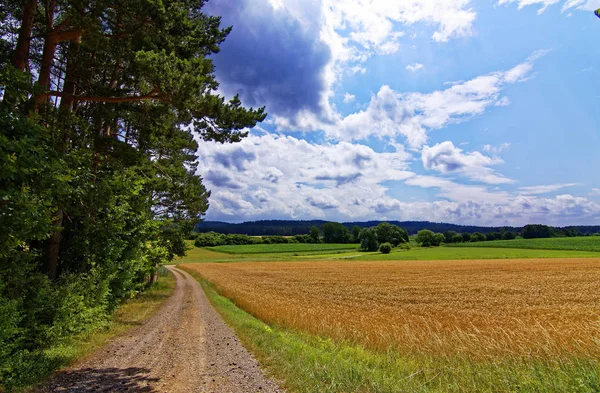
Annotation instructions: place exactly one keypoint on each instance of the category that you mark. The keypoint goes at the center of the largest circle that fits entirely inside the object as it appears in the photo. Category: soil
(184, 347)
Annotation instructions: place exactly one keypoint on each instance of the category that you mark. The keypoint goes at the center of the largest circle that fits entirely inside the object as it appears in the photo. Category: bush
(385, 248)
(438, 239)
(457, 238)
(209, 239)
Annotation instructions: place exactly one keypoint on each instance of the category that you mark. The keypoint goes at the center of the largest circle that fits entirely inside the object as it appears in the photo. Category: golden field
(477, 308)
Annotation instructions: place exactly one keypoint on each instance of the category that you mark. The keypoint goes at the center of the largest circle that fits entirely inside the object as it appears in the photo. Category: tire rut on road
(185, 347)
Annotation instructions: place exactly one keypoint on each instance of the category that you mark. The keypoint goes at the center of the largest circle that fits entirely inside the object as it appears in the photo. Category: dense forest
(98, 180)
(291, 227)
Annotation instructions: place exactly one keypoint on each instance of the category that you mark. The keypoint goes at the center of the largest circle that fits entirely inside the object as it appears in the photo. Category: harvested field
(479, 308)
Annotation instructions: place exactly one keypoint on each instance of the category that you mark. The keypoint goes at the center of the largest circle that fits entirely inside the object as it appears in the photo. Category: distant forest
(291, 227)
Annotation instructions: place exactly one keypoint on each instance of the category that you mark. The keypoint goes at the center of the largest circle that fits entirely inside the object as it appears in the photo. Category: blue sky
(470, 112)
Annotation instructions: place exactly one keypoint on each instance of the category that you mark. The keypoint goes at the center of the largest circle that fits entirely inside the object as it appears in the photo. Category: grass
(585, 243)
(282, 248)
(473, 252)
(547, 308)
(308, 363)
(130, 314)
(204, 255)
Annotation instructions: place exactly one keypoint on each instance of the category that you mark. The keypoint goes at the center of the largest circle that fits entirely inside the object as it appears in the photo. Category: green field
(449, 253)
(303, 252)
(584, 243)
(282, 248)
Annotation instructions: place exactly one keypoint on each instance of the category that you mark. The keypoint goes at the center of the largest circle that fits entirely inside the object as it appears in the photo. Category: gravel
(184, 347)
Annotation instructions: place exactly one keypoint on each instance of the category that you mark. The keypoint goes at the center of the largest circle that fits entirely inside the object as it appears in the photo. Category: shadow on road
(133, 380)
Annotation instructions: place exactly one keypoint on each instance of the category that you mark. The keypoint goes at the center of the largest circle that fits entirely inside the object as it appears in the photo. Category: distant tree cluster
(427, 238)
(213, 239)
(382, 234)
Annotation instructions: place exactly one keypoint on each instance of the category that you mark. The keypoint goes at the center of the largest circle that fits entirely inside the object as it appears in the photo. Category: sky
(459, 111)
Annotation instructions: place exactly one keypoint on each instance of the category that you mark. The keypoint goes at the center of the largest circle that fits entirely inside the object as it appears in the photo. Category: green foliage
(536, 231)
(315, 235)
(425, 238)
(98, 191)
(368, 239)
(438, 239)
(449, 236)
(385, 248)
(457, 238)
(466, 237)
(388, 233)
(355, 232)
(334, 232)
(508, 236)
(478, 237)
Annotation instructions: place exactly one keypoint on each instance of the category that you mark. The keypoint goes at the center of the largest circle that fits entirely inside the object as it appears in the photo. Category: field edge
(308, 363)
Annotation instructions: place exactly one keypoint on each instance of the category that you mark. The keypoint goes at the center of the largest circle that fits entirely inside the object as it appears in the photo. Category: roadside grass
(309, 363)
(282, 248)
(130, 314)
(582, 243)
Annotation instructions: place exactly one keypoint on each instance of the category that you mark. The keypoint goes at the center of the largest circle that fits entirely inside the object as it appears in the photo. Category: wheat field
(478, 308)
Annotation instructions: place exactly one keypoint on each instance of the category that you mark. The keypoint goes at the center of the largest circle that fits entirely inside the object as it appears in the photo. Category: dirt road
(184, 347)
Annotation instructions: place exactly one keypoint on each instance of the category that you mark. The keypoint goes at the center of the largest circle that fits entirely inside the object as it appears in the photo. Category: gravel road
(184, 347)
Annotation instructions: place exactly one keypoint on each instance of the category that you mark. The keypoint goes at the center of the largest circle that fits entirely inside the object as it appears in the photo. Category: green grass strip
(307, 363)
(585, 243)
(450, 253)
(282, 248)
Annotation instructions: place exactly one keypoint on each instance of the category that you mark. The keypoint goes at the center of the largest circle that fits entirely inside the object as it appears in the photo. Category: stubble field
(482, 309)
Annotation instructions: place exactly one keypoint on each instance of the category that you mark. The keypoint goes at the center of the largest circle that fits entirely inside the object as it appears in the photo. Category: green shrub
(385, 248)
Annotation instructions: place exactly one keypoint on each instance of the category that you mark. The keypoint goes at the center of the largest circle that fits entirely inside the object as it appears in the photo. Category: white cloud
(503, 101)
(415, 67)
(390, 114)
(281, 176)
(595, 192)
(348, 98)
(582, 5)
(274, 176)
(446, 159)
(544, 189)
(496, 149)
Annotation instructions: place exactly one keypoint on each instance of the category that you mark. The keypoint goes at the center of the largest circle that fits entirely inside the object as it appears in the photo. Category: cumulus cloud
(282, 177)
(447, 158)
(595, 192)
(391, 114)
(544, 189)
(415, 67)
(288, 177)
(348, 98)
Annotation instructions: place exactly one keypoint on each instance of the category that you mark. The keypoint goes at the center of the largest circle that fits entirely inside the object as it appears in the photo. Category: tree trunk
(21, 56)
(50, 42)
(53, 247)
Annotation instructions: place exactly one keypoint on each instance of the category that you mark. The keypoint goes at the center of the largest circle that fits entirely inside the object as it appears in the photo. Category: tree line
(98, 181)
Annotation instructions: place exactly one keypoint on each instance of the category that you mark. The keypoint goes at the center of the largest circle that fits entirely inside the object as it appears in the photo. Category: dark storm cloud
(220, 179)
(235, 159)
(269, 58)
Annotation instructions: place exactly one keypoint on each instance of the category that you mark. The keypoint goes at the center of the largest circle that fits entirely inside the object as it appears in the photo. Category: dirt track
(184, 347)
